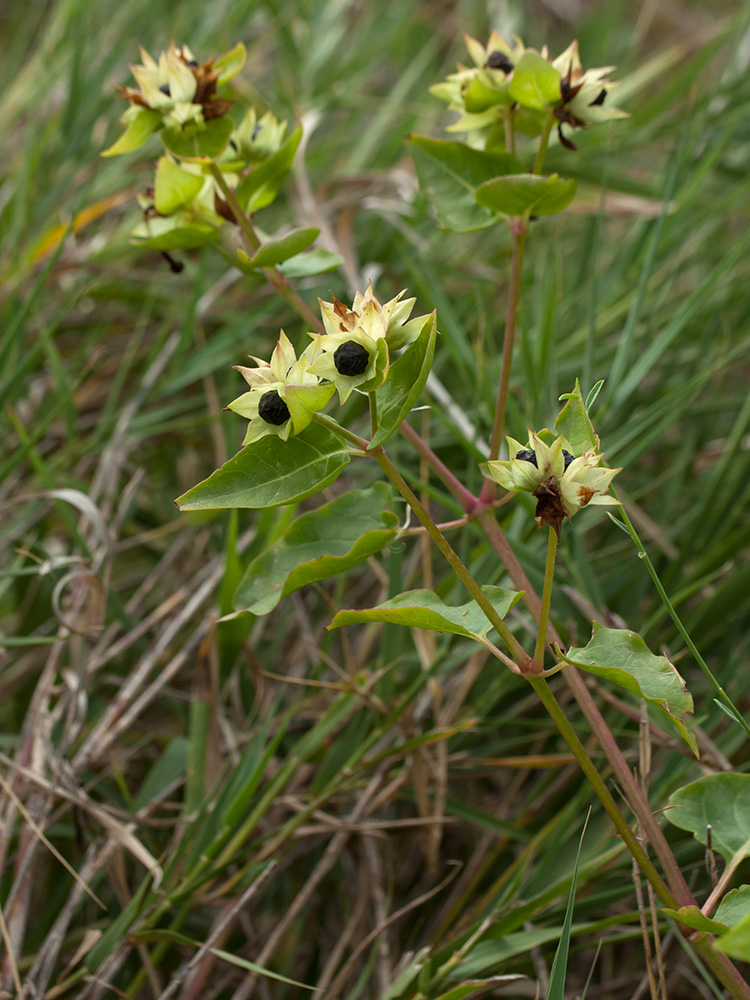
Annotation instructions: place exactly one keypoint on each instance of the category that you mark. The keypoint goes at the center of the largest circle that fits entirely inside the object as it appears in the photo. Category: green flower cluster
(353, 353)
(518, 83)
(561, 482)
(177, 96)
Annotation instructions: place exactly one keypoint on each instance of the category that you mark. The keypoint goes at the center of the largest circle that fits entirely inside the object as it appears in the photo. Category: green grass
(294, 789)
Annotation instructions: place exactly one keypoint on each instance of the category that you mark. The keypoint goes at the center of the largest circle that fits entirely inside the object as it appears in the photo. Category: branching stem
(272, 274)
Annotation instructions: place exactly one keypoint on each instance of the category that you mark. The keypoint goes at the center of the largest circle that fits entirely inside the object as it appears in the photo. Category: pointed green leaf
(449, 175)
(304, 401)
(521, 193)
(199, 144)
(320, 544)
(230, 63)
(479, 96)
(270, 472)
(535, 83)
(735, 906)
(736, 943)
(174, 187)
(406, 378)
(277, 251)
(721, 801)
(477, 986)
(622, 657)
(264, 181)
(556, 987)
(244, 963)
(573, 423)
(311, 262)
(138, 129)
(691, 916)
(163, 234)
(424, 609)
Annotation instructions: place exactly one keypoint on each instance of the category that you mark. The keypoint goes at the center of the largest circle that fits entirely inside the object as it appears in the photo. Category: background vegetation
(357, 811)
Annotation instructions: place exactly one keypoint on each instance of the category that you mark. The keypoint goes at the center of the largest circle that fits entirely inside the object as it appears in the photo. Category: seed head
(351, 358)
(273, 409)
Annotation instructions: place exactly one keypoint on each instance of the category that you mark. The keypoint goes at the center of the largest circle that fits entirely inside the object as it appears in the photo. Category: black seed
(165, 89)
(568, 458)
(499, 60)
(273, 409)
(233, 144)
(599, 99)
(527, 455)
(564, 88)
(351, 358)
(256, 132)
(192, 63)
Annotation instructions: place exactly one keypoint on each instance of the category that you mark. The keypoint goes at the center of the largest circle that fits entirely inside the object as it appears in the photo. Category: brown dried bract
(550, 508)
(222, 208)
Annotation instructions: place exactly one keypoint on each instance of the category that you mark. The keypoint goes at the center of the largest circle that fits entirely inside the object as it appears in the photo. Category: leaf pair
(472, 189)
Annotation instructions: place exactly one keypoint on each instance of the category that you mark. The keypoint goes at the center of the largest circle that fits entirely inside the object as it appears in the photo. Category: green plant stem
(549, 701)
(272, 274)
(722, 967)
(517, 651)
(454, 486)
(514, 293)
(510, 133)
(543, 142)
(574, 679)
(643, 554)
(549, 574)
(373, 414)
(350, 436)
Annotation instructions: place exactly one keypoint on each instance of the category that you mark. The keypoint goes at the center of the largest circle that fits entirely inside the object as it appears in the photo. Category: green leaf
(691, 916)
(491, 953)
(174, 187)
(230, 63)
(406, 378)
(424, 609)
(735, 906)
(449, 175)
(138, 129)
(264, 181)
(320, 544)
(166, 770)
(522, 193)
(277, 251)
(478, 96)
(556, 987)
(311, 262)
(721, 801)
(304, 401)
(270, 472)
(622, 657)
(199, 144)
(535, 83)
(736, 943)
(117, 928)
(573, 423)
(153, 236)
(243, 963)
(477, 986)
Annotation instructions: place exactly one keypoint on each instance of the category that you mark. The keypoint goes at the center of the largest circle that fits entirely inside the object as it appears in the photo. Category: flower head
(486, 94)
(354, 352)
(255, 138)
(283, 396)
(561, 482)
(178, 86)
(585, 94)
